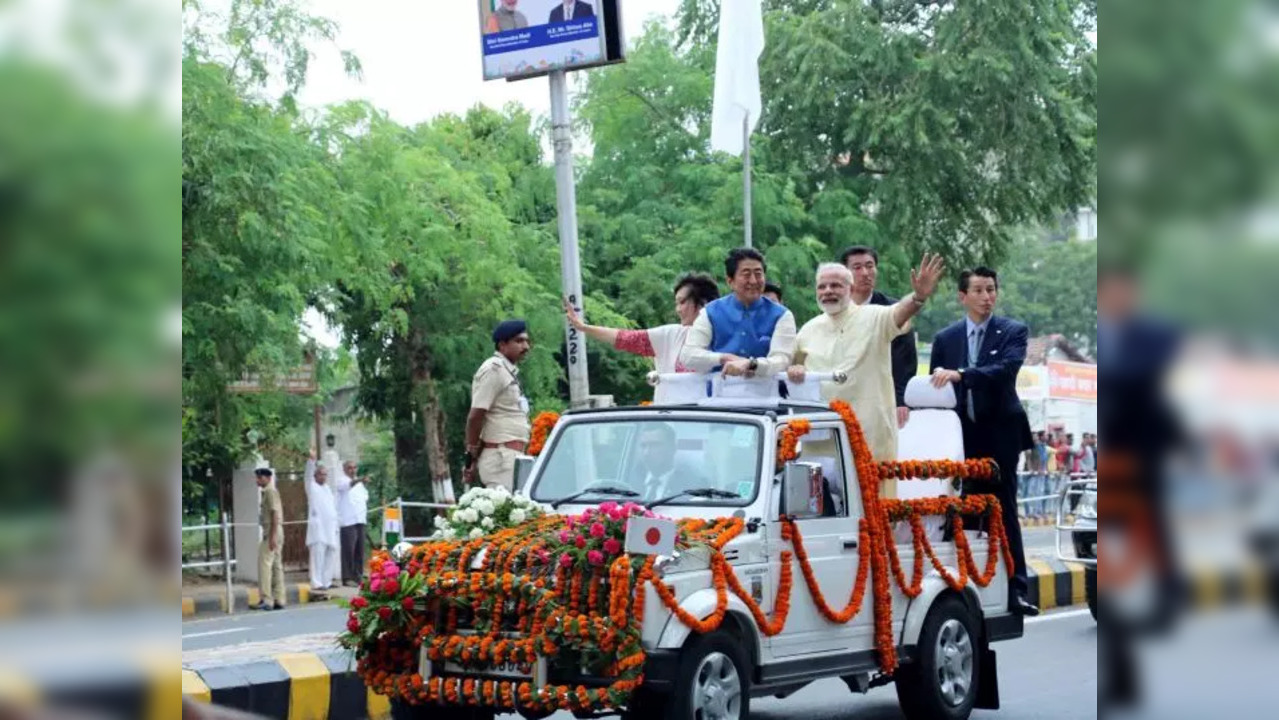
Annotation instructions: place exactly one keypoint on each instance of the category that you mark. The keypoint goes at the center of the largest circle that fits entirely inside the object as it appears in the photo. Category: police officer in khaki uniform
(271, 547)
(497, 427)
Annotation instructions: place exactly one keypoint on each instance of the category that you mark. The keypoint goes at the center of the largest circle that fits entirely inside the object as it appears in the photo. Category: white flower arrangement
(481, 511)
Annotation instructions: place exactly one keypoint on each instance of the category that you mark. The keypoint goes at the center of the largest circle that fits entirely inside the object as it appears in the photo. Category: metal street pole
(570, 265)
(746, 175)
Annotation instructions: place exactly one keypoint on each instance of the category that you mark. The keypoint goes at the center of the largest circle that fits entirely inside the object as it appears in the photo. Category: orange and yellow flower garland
(975, 469)
(542, 426)
(788, 436)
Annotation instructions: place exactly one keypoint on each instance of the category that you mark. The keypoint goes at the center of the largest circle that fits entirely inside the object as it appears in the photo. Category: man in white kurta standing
(321, 525)
(353, 510)
(856, 340)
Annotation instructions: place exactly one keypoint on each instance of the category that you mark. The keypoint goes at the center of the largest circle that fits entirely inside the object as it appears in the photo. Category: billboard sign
(1072, 381)
(523, 38)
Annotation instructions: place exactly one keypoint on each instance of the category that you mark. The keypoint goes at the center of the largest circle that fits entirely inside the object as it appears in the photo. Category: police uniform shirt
(496, 389)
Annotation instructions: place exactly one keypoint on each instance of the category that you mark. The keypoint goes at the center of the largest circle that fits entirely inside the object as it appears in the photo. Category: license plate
(522, 671)
(535, 671)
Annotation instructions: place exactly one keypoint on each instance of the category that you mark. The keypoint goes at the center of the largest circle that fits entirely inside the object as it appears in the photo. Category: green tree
(1049, 285)
(426, 264)
(949, 123)
(256, 236)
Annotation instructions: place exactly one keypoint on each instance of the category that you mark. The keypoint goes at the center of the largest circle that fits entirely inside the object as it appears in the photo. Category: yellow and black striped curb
(242, 599)
(1056, 584)
(136, 687)
(292, 686)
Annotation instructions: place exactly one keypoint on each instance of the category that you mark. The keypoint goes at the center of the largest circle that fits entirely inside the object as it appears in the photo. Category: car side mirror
(802, 490)
(523, 470)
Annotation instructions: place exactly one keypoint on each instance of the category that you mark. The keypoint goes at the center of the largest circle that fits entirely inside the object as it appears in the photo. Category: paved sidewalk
(207, 599)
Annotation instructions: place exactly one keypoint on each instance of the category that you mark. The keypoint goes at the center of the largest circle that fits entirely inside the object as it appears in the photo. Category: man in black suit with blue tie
(570, 10)
(981, 356)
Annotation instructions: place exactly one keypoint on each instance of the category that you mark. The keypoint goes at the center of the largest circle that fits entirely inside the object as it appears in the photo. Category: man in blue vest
(744, 334)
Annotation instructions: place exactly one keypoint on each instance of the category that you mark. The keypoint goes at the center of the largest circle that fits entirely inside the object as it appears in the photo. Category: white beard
(836, 307)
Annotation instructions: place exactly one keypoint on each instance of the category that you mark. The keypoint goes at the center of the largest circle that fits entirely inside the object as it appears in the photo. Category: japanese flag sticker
(650, 536)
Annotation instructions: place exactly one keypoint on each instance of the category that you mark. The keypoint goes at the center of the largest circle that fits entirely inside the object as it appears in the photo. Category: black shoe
(1022, 606)
(260, 606)
(277, 606)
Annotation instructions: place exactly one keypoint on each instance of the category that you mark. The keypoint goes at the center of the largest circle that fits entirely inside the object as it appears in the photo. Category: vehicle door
(831, 542)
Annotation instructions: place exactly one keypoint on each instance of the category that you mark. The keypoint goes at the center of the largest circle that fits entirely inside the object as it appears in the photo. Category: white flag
(741, 40)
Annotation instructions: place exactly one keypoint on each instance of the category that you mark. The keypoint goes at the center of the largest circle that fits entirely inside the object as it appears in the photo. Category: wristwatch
(918, 300)
(754, 364)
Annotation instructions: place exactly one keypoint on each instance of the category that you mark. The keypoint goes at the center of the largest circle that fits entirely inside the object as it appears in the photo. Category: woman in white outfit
(663, 343)
(321, 525)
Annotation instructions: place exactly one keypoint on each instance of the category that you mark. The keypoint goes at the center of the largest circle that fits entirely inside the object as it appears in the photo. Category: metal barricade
(227, 562)
(401, 504)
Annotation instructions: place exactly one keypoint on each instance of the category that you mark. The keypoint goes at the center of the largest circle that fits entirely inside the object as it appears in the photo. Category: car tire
(1090, 590)
(401, 710)
(942, 682)
(714, 681)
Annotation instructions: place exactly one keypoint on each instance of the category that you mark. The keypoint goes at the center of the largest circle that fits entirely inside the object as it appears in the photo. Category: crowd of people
(1048, 465)
(337, 512)
(750, 333)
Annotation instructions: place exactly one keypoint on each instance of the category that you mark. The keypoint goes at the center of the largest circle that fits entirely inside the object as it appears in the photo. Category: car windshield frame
(544, 461)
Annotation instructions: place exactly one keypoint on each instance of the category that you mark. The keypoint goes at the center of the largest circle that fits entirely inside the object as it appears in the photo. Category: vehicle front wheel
(943, 680)
(714, 681)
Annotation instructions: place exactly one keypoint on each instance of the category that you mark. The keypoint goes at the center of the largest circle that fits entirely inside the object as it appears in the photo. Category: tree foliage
(427, 262)
(950, 123)
(256, 236)
(1049, 285)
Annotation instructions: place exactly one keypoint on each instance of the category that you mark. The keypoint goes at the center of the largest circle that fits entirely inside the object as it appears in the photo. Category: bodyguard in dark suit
(1135, 353)
(578, 10)
(863, 261)
(981, 356)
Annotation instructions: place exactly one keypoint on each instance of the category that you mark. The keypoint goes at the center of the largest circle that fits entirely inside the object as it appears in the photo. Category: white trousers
(323, 558)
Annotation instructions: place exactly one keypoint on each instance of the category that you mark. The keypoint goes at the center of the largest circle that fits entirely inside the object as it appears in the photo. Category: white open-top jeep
(718, 461)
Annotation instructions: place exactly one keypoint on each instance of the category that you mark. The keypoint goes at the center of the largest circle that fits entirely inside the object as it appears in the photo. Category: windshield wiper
(706, 492)
(620, 492)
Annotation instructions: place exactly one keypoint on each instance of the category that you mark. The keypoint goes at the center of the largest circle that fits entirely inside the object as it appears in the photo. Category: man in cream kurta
(856, 340)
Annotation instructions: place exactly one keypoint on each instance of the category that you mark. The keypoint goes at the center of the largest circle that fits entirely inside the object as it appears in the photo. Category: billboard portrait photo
(521, 38)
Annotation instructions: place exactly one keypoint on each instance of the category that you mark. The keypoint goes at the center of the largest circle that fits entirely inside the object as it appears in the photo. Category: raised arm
(923, 282)
(594, 332)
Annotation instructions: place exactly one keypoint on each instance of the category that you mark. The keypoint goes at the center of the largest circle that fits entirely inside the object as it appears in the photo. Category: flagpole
(746, 175)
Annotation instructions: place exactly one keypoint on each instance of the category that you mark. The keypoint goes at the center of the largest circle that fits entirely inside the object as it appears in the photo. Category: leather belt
(517, 445)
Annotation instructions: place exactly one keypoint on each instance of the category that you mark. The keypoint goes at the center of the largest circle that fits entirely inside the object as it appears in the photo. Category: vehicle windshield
(656, 458)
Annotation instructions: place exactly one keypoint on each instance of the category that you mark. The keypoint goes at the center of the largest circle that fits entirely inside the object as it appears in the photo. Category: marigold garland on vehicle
(541, 430)
(788, 436)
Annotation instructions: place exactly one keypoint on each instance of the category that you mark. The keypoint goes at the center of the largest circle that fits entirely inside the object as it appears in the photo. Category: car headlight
(401, 551)
(1087, 508)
